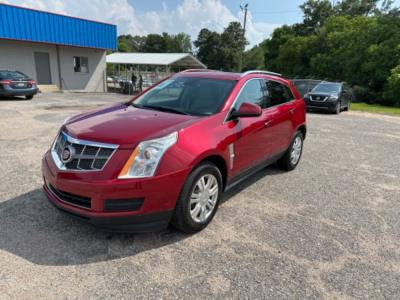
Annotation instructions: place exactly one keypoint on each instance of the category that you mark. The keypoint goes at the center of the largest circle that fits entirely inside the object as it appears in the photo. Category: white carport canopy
(180, 60)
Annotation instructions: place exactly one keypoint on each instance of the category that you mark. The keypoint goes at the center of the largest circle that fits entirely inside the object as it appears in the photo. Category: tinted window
(13, 75)
(81, 64)
(252, 92)
(277, 93)
(304, 86)
(190, 95)
(330, 88)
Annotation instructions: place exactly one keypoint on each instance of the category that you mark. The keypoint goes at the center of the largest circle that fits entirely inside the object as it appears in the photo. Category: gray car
(16, 83)
(333, 97)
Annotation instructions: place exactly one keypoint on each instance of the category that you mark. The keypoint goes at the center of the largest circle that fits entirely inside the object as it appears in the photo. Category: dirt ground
(329, 229)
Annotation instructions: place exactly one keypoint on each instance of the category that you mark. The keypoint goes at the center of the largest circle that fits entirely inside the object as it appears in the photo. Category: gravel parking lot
(329, 229)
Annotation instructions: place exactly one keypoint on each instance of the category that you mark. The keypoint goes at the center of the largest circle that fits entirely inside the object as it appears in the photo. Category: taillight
(31, 82)
(6, 82)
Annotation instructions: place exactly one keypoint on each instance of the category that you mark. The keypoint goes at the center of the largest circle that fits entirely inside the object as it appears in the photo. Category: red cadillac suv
(167, 155)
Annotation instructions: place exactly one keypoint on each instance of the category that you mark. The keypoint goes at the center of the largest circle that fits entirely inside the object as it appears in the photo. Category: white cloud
(118, 12)
(189, 16)
(256, 32)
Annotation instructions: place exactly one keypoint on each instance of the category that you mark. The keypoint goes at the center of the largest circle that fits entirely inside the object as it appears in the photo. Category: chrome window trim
(60, 165)
(263, 109)
(238, 95)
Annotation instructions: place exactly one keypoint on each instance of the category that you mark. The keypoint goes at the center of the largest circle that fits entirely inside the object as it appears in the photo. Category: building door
(42, 62)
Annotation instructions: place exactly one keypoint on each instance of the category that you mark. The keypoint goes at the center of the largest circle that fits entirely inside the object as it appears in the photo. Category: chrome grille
(318, 98)
(84, 155)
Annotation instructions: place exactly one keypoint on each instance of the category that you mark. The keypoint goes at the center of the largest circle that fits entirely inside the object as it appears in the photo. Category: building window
(81, 64)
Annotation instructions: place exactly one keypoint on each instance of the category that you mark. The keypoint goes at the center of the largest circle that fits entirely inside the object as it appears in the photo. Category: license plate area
(20, 85)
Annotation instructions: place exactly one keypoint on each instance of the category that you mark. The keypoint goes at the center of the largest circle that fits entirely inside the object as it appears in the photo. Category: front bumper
(321, 105)
(159, 194)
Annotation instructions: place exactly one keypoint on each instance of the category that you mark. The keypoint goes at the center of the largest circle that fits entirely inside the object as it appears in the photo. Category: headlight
(144, 160)
(333, 98)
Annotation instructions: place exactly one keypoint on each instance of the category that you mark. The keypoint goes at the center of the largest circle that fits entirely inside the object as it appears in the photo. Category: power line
(275, 12)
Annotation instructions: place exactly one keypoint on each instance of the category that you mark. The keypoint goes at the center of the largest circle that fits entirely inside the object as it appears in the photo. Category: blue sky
(283, 11)
(138, 17)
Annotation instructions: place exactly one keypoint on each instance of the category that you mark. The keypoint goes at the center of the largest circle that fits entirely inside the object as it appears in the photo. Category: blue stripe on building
(24, 24)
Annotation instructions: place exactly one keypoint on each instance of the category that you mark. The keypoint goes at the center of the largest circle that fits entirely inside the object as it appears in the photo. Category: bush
(361, 94)
(391, 93)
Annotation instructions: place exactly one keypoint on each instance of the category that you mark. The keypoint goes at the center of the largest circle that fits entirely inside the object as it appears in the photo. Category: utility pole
(244, 11)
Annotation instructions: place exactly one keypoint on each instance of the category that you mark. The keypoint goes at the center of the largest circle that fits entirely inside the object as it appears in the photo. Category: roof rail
(260, 72)
(197, 70)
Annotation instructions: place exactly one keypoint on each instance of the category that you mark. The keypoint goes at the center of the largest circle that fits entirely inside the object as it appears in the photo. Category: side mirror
(247, 110)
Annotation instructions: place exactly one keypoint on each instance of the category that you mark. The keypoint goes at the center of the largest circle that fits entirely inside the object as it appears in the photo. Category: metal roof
(25, 24)
(158, 59)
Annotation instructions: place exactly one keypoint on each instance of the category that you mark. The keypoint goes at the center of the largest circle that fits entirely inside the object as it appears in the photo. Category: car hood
(125, 125)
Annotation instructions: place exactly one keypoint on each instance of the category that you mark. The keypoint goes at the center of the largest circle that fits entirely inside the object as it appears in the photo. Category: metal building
(58, 51)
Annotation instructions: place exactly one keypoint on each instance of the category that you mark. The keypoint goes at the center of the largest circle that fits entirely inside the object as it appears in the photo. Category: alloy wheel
(296, 150)
(204, 198)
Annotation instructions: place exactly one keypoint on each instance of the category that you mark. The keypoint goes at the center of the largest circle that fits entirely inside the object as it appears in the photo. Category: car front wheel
(199, 199)
(338, 108)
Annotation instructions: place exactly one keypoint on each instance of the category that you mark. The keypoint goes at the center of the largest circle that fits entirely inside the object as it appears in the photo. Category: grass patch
(376, 108)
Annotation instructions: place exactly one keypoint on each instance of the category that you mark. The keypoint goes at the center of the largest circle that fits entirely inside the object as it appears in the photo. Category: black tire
(285, 161)
(182, 219)
(338, 108)
(347, 108)
(29, 97)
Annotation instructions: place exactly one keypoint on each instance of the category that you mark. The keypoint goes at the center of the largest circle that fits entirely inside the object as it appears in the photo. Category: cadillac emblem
(67, 154)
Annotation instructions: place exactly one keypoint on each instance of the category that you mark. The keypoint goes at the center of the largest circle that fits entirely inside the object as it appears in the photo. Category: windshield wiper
(162, 108)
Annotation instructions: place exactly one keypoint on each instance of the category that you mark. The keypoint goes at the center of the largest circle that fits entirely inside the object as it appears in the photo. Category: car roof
(212, 74)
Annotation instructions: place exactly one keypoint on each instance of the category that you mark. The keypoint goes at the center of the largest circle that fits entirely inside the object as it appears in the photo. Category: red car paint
(255, 140)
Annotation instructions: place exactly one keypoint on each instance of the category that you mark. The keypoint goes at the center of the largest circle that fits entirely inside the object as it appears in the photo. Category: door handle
(267, 123)
(292, 111)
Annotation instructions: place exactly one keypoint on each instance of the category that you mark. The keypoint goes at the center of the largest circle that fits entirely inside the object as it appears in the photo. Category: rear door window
(276, 93)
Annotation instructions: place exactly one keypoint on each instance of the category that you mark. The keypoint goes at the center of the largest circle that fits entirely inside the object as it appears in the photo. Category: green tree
(391, 93)
(208, 46)
(179, 43)
(355, 8)
(274, 45)
(253, 59)
(129, 43)
(155, 43)
(232, 46)
(357, 42)
(221, 51)
(315, 13)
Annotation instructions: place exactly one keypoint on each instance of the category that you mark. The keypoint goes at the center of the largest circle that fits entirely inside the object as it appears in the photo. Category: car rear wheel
(293, 154)
(199, 199)
(29, 97)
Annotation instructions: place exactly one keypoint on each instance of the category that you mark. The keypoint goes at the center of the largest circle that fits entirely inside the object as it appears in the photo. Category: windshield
(13, 75)
(329, 88)
(187, 95)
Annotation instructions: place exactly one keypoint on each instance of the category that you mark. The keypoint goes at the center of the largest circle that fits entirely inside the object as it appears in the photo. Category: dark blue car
(16, 83)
